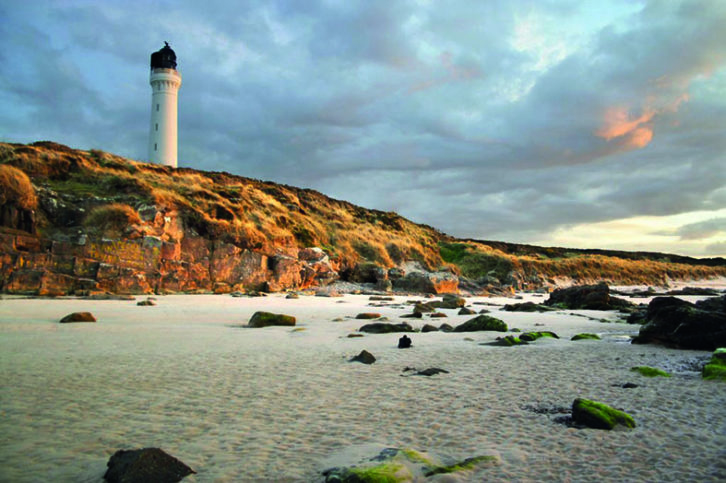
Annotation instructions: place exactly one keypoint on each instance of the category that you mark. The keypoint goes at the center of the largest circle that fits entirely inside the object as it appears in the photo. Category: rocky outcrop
(586, 297)
(364, 357)
(676, 323)
(419, 280)
(147, 465)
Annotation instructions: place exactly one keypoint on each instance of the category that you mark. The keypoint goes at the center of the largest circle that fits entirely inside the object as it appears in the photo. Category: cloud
(702, 230)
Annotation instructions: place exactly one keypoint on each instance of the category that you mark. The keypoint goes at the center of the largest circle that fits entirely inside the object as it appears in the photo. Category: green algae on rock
(585, 336)
(265, 319)
(597, 415)
(650, 371)
(467, 464)
(480, 323)
(532, 336)
(716, 367)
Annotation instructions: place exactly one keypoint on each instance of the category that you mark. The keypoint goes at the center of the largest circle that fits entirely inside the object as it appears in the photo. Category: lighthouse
(165, 81)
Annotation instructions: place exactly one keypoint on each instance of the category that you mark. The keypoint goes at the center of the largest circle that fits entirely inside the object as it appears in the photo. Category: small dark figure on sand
(404, 342)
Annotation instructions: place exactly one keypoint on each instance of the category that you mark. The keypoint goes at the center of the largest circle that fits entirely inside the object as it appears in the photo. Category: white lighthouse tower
(165, 82)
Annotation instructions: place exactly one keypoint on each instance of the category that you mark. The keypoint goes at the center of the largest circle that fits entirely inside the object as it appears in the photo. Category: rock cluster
(586, 297)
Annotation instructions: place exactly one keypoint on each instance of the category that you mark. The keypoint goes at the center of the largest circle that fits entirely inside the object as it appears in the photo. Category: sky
(583, 124)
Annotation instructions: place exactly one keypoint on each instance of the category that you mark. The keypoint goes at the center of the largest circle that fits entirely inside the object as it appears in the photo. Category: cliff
(85, 222)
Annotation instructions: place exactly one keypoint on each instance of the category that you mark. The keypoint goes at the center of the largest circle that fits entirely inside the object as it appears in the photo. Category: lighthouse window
(156, 126)
(154, 146)
(157, 108)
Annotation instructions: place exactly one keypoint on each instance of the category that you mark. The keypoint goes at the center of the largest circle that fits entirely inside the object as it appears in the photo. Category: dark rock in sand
(449, 302)
(509, 341)
(404, 342)
(365, 357)
(676, 323)
(78, 317)
(147, 465)
(431, 371)
(482, 322)
(379, 298)
(466, 311)
(527, 307)
(698, 291)
(597, 415)
(415, 315)
(429, 328)
(292, 295)
(266, 319)
(146, 303)
(586, 297)
(423, 308)
(368, 316)
(385, 328)
(438, 315)
(445, 328)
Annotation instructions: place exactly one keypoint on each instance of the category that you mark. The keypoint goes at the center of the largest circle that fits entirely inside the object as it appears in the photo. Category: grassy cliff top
(266, 217)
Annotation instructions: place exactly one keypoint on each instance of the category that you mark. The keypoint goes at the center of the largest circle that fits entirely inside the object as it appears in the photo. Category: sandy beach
(283, 404)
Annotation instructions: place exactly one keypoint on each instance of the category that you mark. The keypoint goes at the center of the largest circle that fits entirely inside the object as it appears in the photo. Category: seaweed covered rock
(78, 317)
(393, 465)
(532, 336)
(716, 367)
(527, 307)
(679, 324)
(266, 319)
(385, 328)
(449, 302)
(597, 415)
(586, 297)
(147, 465)
(585, 336)
(481, 323)
(509, 341)
(649, 371)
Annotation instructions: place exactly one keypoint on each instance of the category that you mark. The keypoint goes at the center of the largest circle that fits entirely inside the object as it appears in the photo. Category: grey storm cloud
(460, 116)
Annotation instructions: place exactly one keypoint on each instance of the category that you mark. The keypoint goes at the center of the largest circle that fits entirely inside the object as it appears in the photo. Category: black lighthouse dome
(164, 58)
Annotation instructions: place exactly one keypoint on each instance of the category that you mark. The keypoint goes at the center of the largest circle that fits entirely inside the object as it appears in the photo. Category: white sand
(240, 404)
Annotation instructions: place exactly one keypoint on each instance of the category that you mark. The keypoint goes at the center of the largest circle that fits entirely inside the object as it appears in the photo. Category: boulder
(438, 315)
(532, 336)
(586, 297)
(415, 315)
(146, 303)
(509, 341)
(428, 328)
(364, 357)
(466, 311)
(585, 336)
(527, 307)
(597, 415)
(292, 296)
(679, 324)
(431, 371)
(266, 319)
(368, 316)
(449, 302)
(385, 328)
(423, 308)
(446, 328)
(404, 342)
(78, 317)
(147, 465)
(482, 322)
(716, 368)
(427, 282)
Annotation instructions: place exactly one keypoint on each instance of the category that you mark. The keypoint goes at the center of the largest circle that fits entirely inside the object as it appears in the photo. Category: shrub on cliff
(114, 217)
(16, 188)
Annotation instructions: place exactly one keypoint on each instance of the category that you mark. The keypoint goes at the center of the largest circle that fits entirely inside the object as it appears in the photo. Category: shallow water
(271, 404)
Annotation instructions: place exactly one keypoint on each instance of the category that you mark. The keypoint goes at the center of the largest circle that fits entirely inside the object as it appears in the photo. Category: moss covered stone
(383, 473)
(585, 336)
(650, 371)
(467, 464)
(509, 341)
(480, 323)
(265, 319)
(716, 368)
(597, 415)
(532, 336)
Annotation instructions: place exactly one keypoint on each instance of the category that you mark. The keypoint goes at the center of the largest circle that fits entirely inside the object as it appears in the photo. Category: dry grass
(16, 188)
(113, 218)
